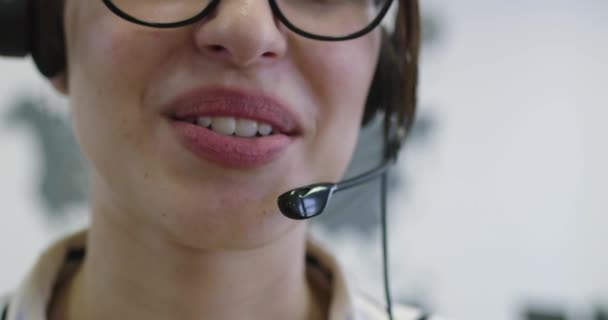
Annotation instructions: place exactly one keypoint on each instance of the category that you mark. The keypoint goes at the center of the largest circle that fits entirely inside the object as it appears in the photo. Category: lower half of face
(144, 175)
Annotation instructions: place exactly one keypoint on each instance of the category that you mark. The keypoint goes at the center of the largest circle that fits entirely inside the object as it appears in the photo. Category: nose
(241, 32)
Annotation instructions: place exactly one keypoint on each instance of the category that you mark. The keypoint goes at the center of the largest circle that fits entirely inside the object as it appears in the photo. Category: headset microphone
(310, 201)
(15, 28)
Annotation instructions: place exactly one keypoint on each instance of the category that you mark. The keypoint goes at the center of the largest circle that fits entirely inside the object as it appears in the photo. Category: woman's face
(136, 91)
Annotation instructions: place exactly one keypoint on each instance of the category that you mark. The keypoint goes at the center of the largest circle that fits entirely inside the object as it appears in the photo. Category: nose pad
(241, 32)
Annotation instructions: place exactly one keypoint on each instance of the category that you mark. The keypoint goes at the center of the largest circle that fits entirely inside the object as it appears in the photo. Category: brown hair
(393, 88)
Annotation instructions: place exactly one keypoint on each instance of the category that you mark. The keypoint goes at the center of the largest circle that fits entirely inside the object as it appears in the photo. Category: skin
(176, 237)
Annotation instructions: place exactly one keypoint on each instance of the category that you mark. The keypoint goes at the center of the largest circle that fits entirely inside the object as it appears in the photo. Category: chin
(223, 222)
(201, 207)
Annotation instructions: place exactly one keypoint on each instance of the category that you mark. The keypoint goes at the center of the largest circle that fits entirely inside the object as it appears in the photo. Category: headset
(25, 26)
(14, 15)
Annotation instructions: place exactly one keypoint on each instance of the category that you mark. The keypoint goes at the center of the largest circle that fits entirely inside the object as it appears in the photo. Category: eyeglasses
(327, 20)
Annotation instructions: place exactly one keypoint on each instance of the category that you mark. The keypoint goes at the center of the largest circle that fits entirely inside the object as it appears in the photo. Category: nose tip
(240, 55)
(242, 32)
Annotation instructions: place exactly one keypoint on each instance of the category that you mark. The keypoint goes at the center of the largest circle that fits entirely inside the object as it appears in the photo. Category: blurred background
(497, 205)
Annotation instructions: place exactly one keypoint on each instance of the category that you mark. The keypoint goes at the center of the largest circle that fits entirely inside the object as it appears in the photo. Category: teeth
(223, 125)
(240, 127)
(204, 121)
(246, 128)
(264, 129)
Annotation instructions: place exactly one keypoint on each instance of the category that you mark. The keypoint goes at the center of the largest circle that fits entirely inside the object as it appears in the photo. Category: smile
(232, 128)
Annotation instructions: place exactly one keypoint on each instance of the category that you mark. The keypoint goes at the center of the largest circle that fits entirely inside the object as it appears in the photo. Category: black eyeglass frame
(275, 10)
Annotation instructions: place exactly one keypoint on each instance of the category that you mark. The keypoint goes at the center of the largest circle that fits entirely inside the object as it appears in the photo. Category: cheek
(341, 78)
(113, 54)
(109, 63)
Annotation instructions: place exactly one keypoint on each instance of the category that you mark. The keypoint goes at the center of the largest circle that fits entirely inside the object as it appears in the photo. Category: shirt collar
(32, 297)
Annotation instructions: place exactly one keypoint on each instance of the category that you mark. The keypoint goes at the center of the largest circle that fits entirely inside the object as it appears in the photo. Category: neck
(128, 274)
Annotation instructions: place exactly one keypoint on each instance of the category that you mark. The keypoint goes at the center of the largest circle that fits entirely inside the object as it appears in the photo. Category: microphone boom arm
(310, 201)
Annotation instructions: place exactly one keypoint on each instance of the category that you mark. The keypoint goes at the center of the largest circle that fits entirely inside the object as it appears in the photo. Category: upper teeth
(236, 126)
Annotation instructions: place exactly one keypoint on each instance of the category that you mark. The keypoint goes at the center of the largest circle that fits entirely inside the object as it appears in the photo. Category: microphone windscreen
(306, 202)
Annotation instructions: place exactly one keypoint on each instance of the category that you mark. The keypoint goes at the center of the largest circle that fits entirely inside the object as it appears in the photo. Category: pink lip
(232, 151)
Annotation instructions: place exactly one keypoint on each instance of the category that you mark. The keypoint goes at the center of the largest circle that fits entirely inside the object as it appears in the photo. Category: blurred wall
(508, 202)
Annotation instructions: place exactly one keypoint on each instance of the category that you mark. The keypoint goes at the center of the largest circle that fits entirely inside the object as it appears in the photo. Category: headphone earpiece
(48, 38)
(14, 28)
(34, 27)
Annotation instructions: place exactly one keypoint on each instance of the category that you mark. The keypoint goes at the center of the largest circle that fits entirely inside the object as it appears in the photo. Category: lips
(232, 151)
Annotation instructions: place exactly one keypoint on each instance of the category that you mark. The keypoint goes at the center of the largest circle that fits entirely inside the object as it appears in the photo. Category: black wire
(4, 312)
(369, 175)
(387, 290)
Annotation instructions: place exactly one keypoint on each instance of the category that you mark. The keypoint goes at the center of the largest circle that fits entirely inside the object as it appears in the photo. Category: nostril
(269, 55)
(216, 48)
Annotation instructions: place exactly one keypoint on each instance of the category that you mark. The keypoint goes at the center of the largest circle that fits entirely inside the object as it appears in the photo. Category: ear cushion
(14, 28)
(48, 41)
